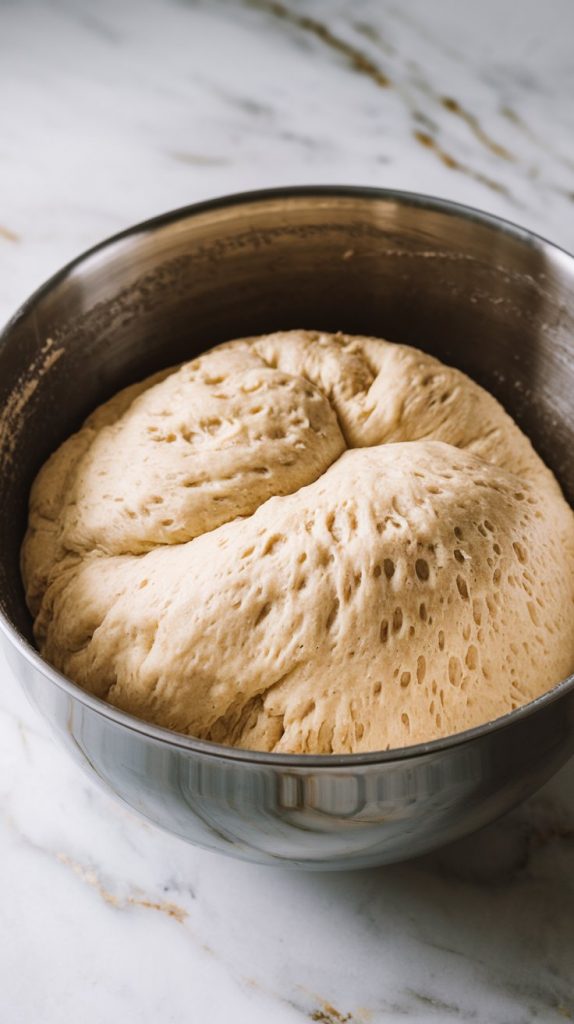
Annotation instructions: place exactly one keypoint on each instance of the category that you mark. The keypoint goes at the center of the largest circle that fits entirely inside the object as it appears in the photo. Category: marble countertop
(111, 113)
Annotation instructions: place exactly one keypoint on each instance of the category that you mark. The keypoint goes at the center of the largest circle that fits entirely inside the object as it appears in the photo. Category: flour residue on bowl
(13, 414)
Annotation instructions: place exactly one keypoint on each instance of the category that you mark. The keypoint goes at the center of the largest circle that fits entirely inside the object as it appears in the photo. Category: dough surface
(303, 543)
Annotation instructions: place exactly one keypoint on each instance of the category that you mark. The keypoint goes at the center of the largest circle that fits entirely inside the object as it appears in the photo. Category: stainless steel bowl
(475, 291)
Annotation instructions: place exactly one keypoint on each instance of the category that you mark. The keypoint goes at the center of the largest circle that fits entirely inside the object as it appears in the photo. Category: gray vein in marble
(245, 104)
(90, 21)
(307, 142)
(440, 1005)
(515, 119)
(374, 35)
(400, 12)
(198, 159)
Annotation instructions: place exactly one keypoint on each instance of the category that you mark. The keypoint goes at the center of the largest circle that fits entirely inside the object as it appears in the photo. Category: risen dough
(304, 542)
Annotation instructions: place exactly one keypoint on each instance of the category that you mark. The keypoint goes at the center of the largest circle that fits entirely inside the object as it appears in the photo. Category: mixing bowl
(477, 292)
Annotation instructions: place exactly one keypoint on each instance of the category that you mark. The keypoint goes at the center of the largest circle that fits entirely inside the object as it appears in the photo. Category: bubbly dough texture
(304, 542)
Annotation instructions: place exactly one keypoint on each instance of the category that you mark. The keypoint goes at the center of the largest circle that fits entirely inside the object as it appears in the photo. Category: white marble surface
(110, 113)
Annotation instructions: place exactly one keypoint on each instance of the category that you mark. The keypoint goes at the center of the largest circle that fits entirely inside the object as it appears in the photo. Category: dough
(304, 543)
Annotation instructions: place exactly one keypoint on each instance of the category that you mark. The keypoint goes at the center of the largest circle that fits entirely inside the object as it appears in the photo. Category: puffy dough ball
(305, 543)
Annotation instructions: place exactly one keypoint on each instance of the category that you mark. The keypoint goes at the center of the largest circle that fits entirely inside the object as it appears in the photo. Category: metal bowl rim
(206, 748)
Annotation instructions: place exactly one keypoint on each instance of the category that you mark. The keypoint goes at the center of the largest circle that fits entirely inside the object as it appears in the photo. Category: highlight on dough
(305, 543)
